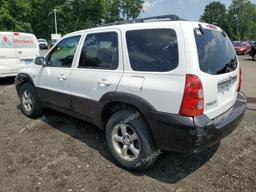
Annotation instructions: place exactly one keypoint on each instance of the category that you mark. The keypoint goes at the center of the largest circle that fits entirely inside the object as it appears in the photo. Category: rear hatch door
(219, 69)
(27, 47)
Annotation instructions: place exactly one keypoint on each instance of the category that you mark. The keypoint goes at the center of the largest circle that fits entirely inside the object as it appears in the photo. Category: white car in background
(42, 44)
(16, 50)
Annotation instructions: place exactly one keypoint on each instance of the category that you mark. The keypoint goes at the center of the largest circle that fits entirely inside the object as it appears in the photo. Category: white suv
(156, 83)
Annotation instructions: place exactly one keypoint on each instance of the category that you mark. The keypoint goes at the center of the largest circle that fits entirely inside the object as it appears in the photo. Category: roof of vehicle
(146, 22)
(139, 22)
(16, 33)
(41, 40)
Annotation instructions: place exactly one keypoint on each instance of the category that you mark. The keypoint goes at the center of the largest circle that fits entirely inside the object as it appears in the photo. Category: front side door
(98, 71)
(54, 78)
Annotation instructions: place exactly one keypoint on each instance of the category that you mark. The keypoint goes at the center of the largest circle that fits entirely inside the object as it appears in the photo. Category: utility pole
(55, 20)
(237, 26)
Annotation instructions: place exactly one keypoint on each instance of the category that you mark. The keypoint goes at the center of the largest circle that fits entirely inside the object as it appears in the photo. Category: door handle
(62, 78)
(104, 83)
(20, 52)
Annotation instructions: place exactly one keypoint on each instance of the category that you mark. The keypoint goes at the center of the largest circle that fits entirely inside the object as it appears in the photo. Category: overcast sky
(187, 9)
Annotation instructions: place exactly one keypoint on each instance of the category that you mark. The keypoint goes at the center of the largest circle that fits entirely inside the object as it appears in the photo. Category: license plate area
(226, 84)
(27, 61)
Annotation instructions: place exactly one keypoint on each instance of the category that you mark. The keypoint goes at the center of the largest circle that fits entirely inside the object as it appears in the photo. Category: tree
(37, 15)
(242, 14)
(15, 15)
(216, 13)
(239, 21)
(131, 8)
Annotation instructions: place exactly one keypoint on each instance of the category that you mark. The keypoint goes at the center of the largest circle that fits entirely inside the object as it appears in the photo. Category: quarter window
(100, 50)
(63, 53)
(153, 50)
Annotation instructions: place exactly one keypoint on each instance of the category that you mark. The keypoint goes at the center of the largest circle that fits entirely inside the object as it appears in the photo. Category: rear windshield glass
(153, 50)
(215, 51)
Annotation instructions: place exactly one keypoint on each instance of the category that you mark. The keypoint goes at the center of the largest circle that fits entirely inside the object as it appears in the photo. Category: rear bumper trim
(190, 135)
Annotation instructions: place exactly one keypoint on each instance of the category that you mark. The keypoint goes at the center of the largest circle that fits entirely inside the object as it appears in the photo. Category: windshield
(215, 52)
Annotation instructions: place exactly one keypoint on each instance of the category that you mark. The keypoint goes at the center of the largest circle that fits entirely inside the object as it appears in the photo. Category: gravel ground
(61, 153)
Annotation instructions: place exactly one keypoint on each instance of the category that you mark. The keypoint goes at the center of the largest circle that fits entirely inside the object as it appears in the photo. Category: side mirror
(40, 61)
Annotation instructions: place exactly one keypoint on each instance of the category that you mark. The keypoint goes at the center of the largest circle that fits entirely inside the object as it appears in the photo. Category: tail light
(193, 98)
(240, 80)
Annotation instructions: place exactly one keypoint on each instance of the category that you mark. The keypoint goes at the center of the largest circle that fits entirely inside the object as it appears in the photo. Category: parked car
(151, 84)
(253, 51)
(43, 44)
(248, 44)
(241, 48)
(16, 49)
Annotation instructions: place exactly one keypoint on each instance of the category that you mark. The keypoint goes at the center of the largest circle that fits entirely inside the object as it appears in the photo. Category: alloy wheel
(126, 142)
(27, 101)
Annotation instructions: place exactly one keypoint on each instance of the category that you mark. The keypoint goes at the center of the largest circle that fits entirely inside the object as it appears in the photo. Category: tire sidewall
(147, 150)
(30, 89)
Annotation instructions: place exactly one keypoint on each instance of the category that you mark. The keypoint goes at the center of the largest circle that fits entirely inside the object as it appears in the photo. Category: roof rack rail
(143, 20)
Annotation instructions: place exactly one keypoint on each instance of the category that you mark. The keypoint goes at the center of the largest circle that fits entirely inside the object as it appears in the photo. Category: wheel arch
(116, 101)
(21, 79)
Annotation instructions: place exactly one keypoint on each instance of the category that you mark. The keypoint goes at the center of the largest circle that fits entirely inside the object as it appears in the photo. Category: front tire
(130, 141)
(30, 102)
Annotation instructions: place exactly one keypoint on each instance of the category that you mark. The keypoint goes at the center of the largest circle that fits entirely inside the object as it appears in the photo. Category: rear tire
(30, 102)
(129, 141)
(254, 57)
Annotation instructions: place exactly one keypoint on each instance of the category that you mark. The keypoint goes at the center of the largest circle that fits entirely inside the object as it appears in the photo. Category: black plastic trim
(191, 135)
(20, 79)
(127, 98)
(170, 132)
(55, 98)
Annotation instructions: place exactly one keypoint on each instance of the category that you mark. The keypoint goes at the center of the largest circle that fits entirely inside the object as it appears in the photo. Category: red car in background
(242, 48)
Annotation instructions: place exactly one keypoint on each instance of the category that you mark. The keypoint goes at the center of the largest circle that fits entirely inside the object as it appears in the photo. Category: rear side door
(8, 57)
(99, 70)
(53, 81)
(27, 48)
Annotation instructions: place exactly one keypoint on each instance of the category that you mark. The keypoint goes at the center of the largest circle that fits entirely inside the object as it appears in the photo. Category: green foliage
(37, 15)
(15, 15)
(215, 13)
(239, 21)
(243, 15)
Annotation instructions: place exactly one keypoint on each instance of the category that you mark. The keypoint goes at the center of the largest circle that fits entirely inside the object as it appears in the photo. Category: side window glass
(100, 50)
(153, 50)
(63, 53)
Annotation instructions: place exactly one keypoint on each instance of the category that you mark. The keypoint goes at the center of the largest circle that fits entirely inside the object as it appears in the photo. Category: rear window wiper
(201, 28)
(224, 33)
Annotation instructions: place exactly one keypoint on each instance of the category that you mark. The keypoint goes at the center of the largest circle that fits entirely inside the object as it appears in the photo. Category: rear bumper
(42, 46)
(191, 135)
(240, 52)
